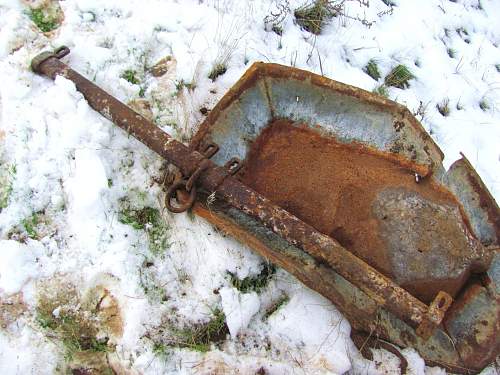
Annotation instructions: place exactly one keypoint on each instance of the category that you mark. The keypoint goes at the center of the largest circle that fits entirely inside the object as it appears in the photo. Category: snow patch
(18, 264)
(239, 308)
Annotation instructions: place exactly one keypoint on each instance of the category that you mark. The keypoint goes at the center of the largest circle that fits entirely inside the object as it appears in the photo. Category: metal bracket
(38, 60)
(434, 315)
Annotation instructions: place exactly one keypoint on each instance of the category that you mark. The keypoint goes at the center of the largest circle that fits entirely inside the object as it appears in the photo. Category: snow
(239, 308)
(73, 168)
(18, 264)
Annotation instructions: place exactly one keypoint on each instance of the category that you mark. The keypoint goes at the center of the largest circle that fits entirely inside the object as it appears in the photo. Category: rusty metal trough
(345, 190)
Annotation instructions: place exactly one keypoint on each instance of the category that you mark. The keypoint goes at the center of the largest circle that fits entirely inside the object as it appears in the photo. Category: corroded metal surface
(371, 205)
(298, 229)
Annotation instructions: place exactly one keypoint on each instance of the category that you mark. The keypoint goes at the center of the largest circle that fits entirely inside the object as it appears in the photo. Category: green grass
(217, 70)
(42, 20)
(130, 76)
(282, 301)
(29, 224)
(399, 77)
(315, 15)
(371, 68)
(451, 52)
(197, 337)
(254, 283)
(444, 107)
(150, 220)
(381, 90)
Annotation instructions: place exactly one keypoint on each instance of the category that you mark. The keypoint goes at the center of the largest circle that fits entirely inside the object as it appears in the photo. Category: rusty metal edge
(486, 199)
(361, 319)
(261, 70)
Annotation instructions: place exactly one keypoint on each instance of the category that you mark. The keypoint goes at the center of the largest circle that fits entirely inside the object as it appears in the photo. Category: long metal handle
(230, 190)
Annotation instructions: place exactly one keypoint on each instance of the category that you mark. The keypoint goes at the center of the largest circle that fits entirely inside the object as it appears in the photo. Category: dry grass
(315, 15)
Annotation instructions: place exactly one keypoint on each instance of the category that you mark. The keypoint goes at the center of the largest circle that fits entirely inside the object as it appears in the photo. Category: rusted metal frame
(218, 179)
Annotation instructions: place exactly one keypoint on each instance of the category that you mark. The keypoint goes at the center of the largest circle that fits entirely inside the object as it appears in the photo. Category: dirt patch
(85, 325)
(11, 308)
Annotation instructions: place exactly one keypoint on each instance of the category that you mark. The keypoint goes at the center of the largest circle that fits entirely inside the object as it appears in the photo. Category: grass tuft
(197, 338)
(30, 224)
(130, 76)
(282, 301)
(254, 283)
(43, 21)
(150, 220)
(444, 107)
(497, 67)
(275, 20)
(451, 52)
(372, 70)
(484, 105)
(179, 85)
(6, 185)
(399, 77)
(464, 34)
(381, 90)
(217, 70)
(72, 325)
(315, 15)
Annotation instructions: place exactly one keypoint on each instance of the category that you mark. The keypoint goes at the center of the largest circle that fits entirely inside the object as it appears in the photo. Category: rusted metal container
(345, 190)
(362, 170)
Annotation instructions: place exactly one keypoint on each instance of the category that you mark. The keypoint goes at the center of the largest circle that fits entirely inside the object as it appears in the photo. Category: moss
(217, 70)
(150, 220)
(130, 76)
(372, 70)
(254, 283)
(444, 107)
(381, 90)
(399, 77)
(44, 21)
(314, 16)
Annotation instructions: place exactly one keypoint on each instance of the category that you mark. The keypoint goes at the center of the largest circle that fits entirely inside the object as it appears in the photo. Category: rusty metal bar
(217, 179)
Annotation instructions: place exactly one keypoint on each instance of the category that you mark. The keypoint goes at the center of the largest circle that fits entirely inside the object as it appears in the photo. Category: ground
(95, 274)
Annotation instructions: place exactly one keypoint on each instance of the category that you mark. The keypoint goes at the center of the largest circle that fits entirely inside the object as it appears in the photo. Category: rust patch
(336, 187)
